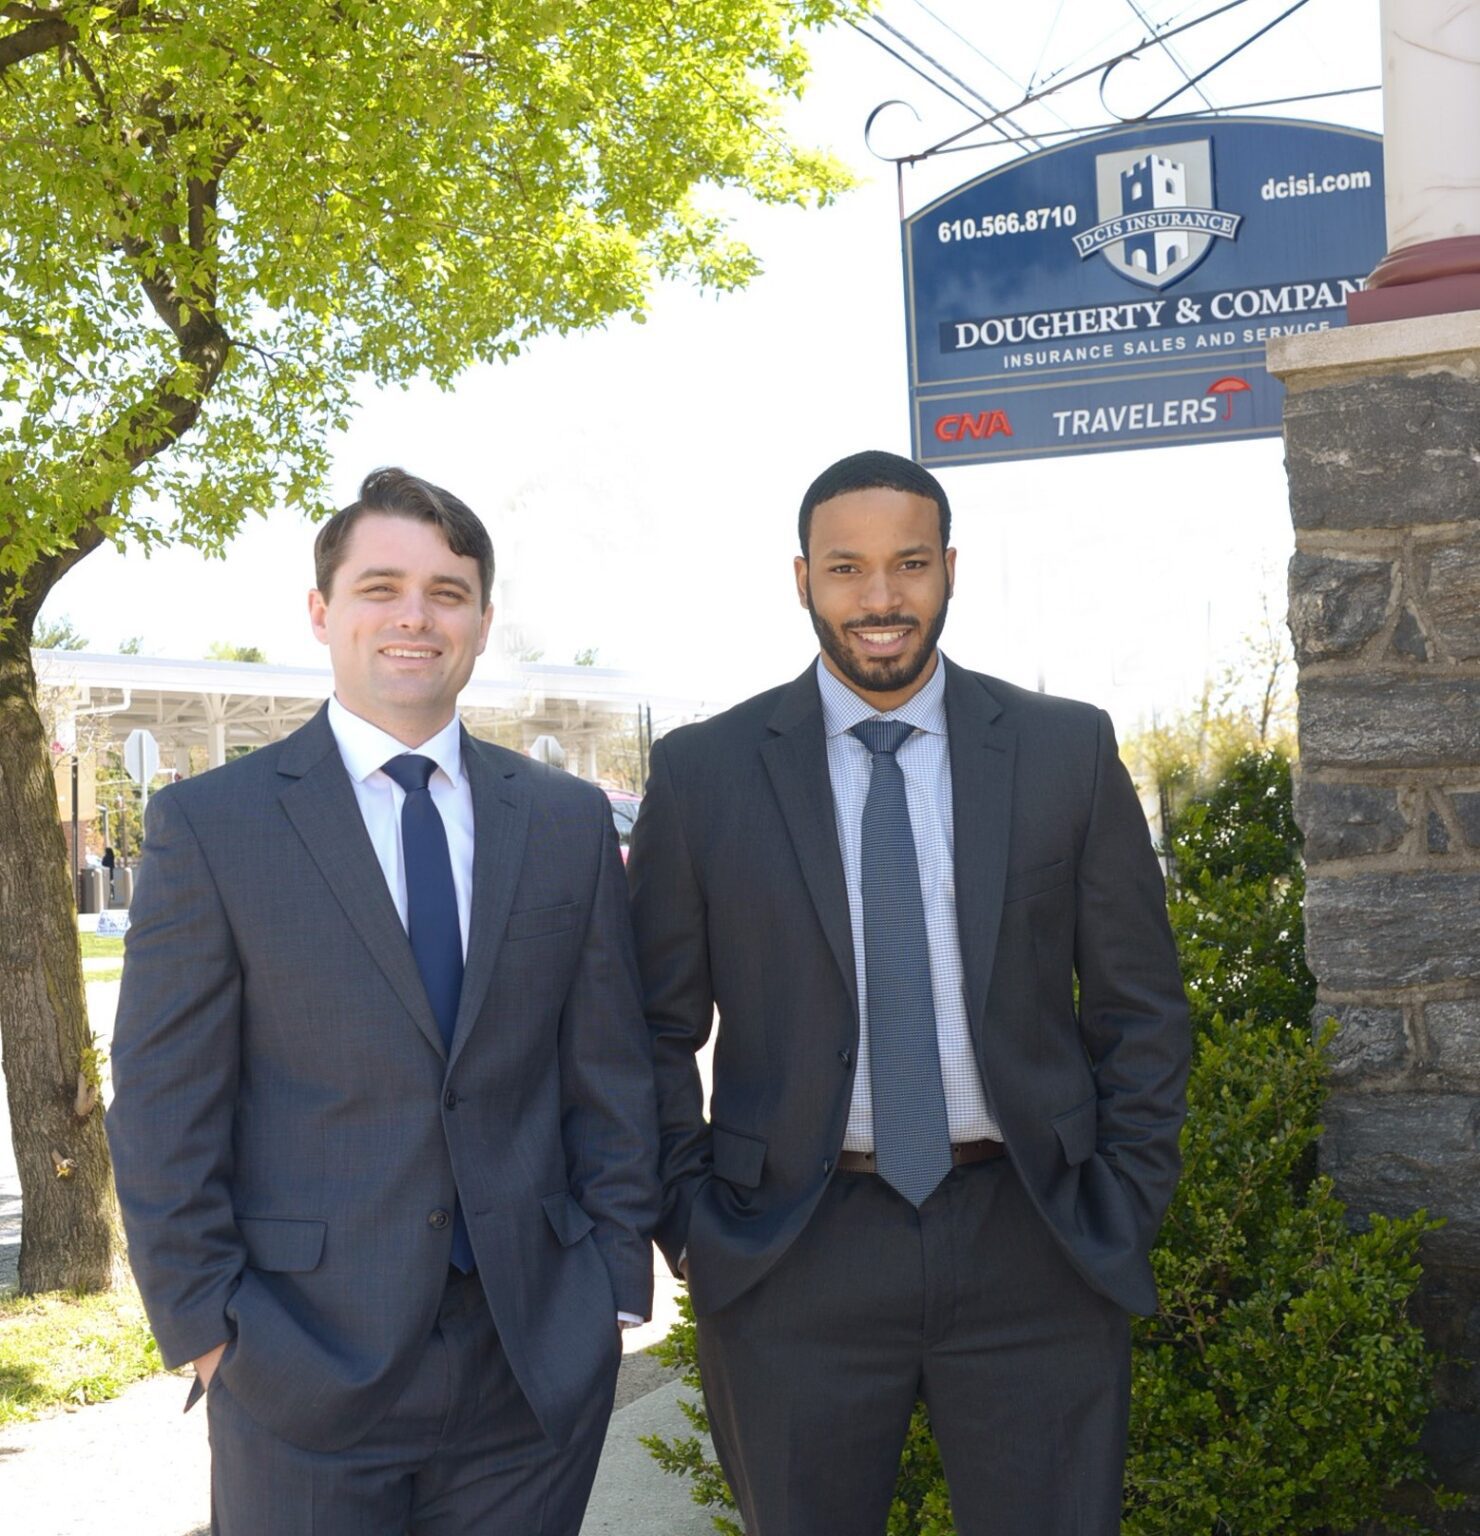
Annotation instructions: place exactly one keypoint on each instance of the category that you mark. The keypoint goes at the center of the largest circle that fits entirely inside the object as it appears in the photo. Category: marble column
(1431, 162)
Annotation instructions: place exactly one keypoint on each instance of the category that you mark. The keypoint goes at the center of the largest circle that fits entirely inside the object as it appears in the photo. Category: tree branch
(23, 603)
(44, 31)
(150, 428)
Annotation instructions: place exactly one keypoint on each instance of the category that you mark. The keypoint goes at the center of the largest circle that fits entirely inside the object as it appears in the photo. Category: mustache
(883, 621)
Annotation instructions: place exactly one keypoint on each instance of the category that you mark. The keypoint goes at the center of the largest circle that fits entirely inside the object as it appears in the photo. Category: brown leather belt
(962, 1152)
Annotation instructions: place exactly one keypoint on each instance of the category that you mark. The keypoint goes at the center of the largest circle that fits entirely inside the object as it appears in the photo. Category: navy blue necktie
(431, 919)
(912, 1137)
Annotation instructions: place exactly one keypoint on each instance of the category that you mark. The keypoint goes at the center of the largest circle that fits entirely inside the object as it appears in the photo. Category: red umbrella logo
(1228, 387)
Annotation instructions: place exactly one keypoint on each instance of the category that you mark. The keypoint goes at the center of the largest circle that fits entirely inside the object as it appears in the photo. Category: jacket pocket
(1077, 1130)
(737, 1158)
(569, 1221)
(533, 922)
(282, 1244)
(1032, 882)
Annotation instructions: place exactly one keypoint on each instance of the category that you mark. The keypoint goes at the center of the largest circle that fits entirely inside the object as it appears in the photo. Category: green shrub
(1280, 1389)
(1281, 1386)
(1236, 896)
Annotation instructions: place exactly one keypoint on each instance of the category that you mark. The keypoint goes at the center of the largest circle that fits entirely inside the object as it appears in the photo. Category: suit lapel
(500, 828)
(796, 760)
(320, 802)
(982, 755)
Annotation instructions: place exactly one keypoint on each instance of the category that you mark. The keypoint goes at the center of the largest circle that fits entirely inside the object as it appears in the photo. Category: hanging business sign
(1118, 291)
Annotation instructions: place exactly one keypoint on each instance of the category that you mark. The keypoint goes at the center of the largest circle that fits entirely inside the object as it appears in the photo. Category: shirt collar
(365, 747)
(842, 709)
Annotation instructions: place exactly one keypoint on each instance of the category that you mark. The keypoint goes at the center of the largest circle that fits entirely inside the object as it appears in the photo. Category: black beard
(888, 674)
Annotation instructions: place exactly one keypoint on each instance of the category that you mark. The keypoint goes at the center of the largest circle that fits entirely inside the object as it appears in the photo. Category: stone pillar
(1431, 162)
(1382, 442)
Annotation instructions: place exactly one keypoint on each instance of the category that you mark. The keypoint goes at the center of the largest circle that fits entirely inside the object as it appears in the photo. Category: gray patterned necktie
(912, 1138)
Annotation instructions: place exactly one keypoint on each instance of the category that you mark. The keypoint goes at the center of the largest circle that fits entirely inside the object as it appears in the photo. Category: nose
(879, 592)
(414, 613)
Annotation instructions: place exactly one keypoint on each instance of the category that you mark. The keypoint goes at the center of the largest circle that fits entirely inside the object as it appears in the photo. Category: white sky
(641, 482)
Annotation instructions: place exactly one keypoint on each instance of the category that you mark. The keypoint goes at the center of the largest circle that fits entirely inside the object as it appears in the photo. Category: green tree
(224, 650)
(221, 217)
(57, 635)
(1248, 706)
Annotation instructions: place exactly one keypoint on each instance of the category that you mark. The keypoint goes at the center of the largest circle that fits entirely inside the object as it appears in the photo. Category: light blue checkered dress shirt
(925, 762)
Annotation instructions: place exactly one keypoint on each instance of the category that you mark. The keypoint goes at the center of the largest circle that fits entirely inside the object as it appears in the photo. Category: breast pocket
(1024, 883)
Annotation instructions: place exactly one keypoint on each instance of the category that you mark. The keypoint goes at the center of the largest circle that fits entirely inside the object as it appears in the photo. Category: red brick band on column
(1434, 277)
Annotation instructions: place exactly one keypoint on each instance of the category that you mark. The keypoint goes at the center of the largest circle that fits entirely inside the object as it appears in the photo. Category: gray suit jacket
(289, 1134)
(739, 902)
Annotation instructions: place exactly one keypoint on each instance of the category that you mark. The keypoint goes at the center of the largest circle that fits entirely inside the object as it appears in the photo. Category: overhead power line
(1218, 63)
(1241, 106)
(1170, 52)
(955, 79)
(914, 68)
(990, 62)
(1104, 68)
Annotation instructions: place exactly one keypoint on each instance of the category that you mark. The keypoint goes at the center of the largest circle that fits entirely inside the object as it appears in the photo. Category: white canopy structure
(220, 705)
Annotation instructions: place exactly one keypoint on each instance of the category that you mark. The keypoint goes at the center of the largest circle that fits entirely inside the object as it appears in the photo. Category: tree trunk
(69, 1219)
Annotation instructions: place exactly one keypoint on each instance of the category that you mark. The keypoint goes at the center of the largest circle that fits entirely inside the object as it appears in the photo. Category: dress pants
(459, 1454)
(810, 1376)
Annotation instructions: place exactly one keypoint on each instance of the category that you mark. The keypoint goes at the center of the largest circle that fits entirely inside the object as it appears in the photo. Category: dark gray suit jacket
(739, 902)
(288, 1132)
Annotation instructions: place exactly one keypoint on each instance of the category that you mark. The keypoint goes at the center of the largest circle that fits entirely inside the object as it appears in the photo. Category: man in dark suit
(931, 1169)
(383, 1125)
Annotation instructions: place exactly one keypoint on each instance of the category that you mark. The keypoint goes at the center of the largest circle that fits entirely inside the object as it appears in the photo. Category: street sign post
(141, 762)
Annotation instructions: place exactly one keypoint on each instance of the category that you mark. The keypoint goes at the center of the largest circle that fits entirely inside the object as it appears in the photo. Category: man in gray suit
(383, 1124)
(931, 1169)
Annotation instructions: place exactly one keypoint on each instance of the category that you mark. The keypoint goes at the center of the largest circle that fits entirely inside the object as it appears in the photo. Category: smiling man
(930, 1169)
(383, 1122)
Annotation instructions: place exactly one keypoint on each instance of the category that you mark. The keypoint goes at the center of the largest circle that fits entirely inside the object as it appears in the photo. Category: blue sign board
(1118, 291)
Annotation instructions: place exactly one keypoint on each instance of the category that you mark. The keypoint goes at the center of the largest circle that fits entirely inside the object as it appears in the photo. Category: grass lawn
(61, 1350)
(103, 973)
(106, 947)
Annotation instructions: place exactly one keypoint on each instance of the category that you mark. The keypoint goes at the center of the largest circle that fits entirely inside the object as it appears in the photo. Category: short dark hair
(873, 470)
(394, 493)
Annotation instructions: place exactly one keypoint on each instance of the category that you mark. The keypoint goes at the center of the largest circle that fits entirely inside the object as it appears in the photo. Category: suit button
(450, 1099)
(438, 1219)
(827, 1165)
(846, 1057)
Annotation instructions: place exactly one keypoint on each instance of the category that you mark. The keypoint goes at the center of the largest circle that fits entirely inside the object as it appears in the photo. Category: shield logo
(1157, 218)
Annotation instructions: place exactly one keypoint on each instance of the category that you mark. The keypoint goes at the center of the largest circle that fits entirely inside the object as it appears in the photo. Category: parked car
(624, 813)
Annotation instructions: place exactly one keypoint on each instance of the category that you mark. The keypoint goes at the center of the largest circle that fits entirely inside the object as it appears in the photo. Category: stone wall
(1382, 435)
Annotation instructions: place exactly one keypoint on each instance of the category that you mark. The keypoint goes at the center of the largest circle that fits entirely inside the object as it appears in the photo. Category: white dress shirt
(925, 762)
(364, 748)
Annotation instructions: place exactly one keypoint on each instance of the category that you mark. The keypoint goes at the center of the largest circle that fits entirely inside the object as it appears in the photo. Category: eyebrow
(899, 554)
(398, 575)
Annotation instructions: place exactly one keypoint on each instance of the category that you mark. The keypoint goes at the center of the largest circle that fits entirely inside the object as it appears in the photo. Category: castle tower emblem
(1157, 219)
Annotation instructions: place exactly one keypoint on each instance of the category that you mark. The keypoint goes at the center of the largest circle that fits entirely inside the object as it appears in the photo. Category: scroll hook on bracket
(874, 116)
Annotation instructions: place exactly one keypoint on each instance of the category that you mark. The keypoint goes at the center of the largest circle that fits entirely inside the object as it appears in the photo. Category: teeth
(413, 655)
(882, 636)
